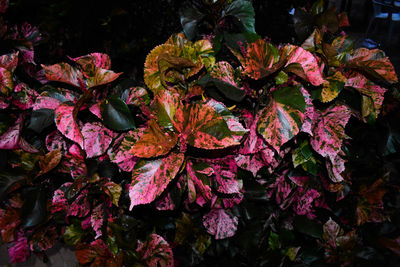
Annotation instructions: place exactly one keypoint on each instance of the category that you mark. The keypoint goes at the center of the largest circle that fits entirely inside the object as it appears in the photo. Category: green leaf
(228, 90)
(190, 17)
(73, 234)
(116, 114)
(273, 241)
(281, 78)
(33, 210)
(41, 119)
(244, 12)
(308, 227)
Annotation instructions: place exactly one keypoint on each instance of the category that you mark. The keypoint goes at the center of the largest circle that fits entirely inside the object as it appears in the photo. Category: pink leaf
(96, 110)
(331, 232)
(220, 223)
(19, 251)
(156, 252)
(252, 163)
(10, 139)
(63, 72)
(121, 155)
(165, 203)
(46, 102)
(304, 200)
(98, 60)
(67, 125)
(9, 61)
(25, 96)
(55, 140)
(59, 202)
(96, 219)
(199, 189)
(97, 139)
(150, 178)
(80, 207)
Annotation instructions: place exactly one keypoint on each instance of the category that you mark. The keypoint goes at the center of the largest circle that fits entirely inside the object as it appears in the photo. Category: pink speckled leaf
(80, 207)
(55, 140)
(309, 114)
(252, 163)
(25, 96)
(121, 155)
(156, 252)
(136, 96)
(303, 64)
(224, 71)
(366, 87)
(165, 203)
(224, 173)
(74, 162)
(63, 72)
(98, 60)
(282, 119)
(46, 102)
(96, 219)
(96, 109)
(67, 125)
(331, 230)
(198, 183)
(97, 139)
(151, 177)
(220, 223)
(303, 201)
(329, 132)
(9, 61)
(100, 77)
(10, 139)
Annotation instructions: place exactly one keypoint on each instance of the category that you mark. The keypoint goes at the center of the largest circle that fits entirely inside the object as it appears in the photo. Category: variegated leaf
(121, 155)
(282, 119)
(156, 252)
(199, 189)
(64, 72)
(154, 142)
(220, 223)
(67, 124)
(97, 139)
(151, 177)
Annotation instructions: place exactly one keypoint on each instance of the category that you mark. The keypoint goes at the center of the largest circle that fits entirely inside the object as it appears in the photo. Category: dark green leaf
(308, 227)
(230, 91)
(116, 114)
(317, 7)
(190, 17)
(8, 178)
(290, 96)
(244, 12)
(303, 24)
(33, 210)
(41, 119)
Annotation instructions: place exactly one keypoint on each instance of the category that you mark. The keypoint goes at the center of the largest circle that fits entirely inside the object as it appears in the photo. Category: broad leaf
(41, 119)
(116, 114)
(34, 209)
(64, 72)
(92, 61)
(67, 124)
(151, 177)
(199, 188)
(332, 87)
(282, 119)
(329, 133)
(373, 63)
(202, 127)
(113, 190)
(244, 12)
(97, 139)
(331, 232)
(155, 252)
(121, 155)
(9, 178)
(154, 142)
(220, 223)
(73, 234)
(165, 105)
(49, 161)
(8, 63)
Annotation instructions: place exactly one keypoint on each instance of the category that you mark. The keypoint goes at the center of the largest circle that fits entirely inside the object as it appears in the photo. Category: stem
(86, 96)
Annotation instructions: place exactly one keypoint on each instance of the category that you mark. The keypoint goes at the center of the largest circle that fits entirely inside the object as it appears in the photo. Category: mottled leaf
(199, 189)
(332, 87)
(121, 155)
(155, 252)
(67, 124)
(49, 161)
(282, 119)
(97, 139)
(154, 142)
(373, 63)
(64, 72)
(151, 177)
(331, 232)
(164, 105)
(113, 190)
(220, 223)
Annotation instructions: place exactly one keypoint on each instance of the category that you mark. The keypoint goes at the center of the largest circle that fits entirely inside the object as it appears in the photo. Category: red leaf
(156, 252)
(55, 140)
(97, 139)
(63, 72)
(96, 219)
(67, 125)
(150, 178)
(49, 161)
(220, 223)
(199, 189)
(98, 60)
(154, 142)
(46, 102)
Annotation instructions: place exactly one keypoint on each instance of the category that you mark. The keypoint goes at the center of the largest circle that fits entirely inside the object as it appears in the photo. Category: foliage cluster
(235, 150)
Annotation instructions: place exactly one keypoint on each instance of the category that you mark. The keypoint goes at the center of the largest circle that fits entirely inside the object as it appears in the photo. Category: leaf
(244, 12)
(73, 234)
(156, 252)
(49, 161)
(136, 96)
(41, 119)
(373, 63)
(64, 72)
(8, 179)
(222, 78)
(67, 124)
(11, 138)
(374, 92)
(332, 88)
(34, 211)
(303, 23)
(97, 139)
(165, 105)
(317, 7)
(154, 142)
(151, 177)
(220, 223)
(329, 132)
(116, 114)
(97, 219)
(308, 227)
(113, 190)
(202, 127)
(199, 189)
(97, 253)
(94, 60)
(261, 60)
(331, 230)
(282, 119)
(190, 18)
(121, 155)
(392, 244)
(8, 64)
(303, 64)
